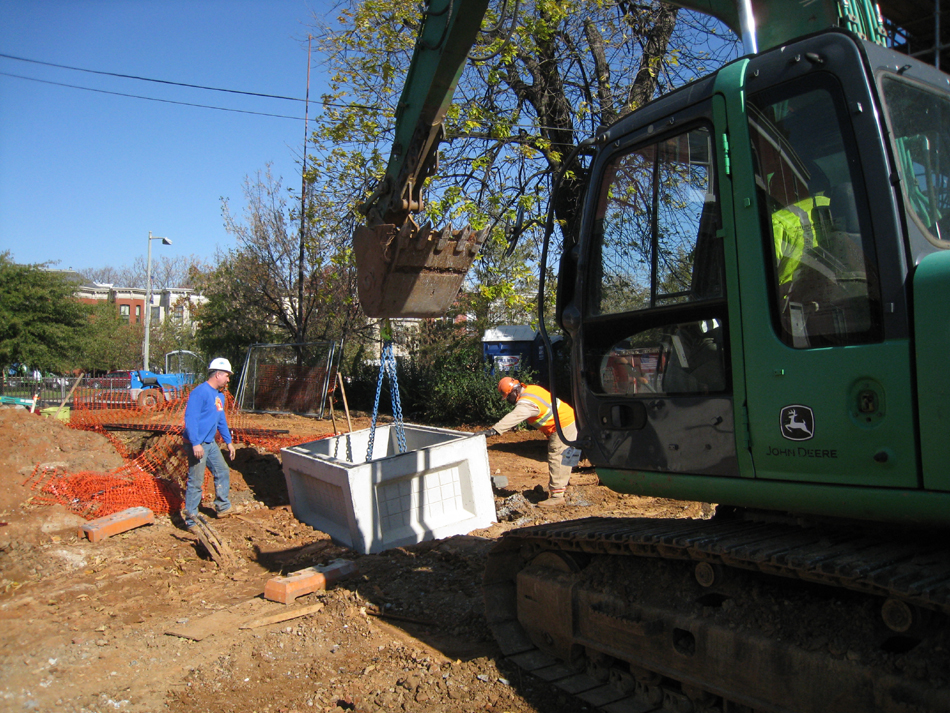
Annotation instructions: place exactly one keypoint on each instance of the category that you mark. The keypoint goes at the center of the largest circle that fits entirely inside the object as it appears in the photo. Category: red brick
(110, 525)
(287, 589)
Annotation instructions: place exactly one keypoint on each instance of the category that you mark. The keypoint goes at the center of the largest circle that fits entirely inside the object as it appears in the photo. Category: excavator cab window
(920, 126)
(655, 232)
(658, 291)
(809, 191)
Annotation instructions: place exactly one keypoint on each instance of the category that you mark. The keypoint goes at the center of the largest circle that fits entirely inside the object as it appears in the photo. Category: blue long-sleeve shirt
(204, 415)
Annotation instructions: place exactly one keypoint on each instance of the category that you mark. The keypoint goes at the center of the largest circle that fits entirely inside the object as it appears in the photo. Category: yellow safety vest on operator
(794, 231)
(544, 421)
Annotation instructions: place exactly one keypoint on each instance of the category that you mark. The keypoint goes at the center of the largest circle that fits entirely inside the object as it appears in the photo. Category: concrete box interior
(441, 486)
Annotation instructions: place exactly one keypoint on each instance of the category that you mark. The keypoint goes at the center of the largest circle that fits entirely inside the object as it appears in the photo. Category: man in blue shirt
(205, 417)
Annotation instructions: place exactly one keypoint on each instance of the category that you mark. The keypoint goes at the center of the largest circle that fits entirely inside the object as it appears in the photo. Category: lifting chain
(387, 365)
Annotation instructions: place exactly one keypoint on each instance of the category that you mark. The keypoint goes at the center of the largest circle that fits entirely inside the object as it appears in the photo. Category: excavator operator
(533, 404)
(796, 228)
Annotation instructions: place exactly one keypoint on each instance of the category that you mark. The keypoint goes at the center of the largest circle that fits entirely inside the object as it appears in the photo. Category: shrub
(442, 383)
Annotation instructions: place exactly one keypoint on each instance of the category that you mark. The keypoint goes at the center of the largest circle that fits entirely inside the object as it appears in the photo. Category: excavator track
(726, 614)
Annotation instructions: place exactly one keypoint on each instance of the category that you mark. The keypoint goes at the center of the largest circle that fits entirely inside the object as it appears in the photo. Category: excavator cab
(740, 298)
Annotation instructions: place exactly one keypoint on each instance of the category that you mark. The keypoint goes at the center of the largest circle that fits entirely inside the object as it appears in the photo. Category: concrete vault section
(441, 486)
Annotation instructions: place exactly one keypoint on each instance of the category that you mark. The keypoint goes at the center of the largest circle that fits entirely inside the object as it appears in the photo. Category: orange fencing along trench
(154, 478)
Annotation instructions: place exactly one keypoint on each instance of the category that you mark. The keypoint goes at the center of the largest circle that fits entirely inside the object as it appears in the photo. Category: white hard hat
(220, 364)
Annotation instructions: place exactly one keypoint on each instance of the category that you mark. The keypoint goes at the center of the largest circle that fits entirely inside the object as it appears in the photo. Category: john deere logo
(798, 423)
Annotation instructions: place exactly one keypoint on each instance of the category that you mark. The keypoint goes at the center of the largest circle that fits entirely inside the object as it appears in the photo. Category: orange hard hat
(507, 384)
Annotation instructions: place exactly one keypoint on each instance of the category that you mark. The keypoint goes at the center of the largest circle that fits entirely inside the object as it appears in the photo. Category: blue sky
(85, 176)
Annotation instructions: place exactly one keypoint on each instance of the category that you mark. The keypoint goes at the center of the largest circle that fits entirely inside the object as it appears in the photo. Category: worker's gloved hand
(488, 433)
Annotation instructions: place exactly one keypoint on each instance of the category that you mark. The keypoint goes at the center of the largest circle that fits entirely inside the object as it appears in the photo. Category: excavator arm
(405, 270)
(446, 36)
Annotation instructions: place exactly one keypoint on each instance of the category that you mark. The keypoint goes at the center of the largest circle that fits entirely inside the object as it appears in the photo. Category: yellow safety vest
(544, 421)
(793, 229)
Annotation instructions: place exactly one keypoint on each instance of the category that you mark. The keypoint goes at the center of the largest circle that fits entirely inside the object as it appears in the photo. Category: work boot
(553, 501)
(227, 512)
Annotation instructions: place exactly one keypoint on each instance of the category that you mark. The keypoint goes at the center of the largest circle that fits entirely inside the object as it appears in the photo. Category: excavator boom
(406, 270)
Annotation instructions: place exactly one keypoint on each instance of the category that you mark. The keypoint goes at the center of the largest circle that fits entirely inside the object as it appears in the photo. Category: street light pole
(148, 294)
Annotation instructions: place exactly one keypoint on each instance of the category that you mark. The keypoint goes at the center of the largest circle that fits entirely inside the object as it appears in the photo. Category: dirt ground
(146, 621)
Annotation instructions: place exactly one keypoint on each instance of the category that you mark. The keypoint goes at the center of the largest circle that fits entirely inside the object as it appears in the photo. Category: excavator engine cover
(410, 271)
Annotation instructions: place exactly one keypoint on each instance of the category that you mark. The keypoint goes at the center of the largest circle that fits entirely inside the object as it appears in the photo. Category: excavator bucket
(410, 271)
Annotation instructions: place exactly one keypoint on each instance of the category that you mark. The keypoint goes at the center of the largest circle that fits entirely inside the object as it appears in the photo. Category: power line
(147, 79)
(171, 83)
(154, 99)
(190, 86)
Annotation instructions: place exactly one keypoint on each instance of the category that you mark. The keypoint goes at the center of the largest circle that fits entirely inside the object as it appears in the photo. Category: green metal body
(776, 375)
(931, 286)
(857, 502)
(877, 445)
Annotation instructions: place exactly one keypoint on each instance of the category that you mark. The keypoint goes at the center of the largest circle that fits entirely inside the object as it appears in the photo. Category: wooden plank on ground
(283, 616)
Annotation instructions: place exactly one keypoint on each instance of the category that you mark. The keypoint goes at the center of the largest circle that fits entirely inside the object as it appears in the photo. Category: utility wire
(191, 86)
(147, 79)
(154, 99)
(168, 82)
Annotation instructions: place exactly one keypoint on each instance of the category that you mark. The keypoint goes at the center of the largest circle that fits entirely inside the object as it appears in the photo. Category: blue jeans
(214, 461)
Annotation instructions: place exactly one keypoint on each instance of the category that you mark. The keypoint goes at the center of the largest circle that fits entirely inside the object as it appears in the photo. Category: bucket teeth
(425, 233)
(463, 236)
(475, 245)
(407, 232)
(444, 238)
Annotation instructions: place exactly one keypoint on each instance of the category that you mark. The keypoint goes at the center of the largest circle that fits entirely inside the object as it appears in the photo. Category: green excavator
(754, 304)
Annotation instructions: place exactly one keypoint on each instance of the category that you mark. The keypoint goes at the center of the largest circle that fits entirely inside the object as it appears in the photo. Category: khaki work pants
(559, 474)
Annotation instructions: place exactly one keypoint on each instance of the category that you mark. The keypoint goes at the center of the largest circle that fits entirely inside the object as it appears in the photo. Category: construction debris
(103, 527)
(219, 550)
(287, 589)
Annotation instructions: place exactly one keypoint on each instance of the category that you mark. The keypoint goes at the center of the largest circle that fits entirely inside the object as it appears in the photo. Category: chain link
(397, 404)
(387, 365)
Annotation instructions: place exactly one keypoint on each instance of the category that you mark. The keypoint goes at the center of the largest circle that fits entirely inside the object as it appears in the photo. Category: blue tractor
(149, 389)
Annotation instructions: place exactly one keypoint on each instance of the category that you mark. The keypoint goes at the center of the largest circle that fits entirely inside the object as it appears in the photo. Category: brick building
(175, 303)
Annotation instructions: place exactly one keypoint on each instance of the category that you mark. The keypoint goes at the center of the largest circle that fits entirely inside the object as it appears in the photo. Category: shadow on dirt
(263, 476)
(534, 448)
(430, 595)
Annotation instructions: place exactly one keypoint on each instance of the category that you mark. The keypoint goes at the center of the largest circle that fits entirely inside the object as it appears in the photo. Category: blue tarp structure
(514, 347)
(508, 348)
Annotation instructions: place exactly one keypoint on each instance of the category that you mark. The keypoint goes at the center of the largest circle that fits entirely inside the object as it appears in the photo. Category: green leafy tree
(225, 325)
(536, 84)
(108, 341)
(41, 322)
(442, 380)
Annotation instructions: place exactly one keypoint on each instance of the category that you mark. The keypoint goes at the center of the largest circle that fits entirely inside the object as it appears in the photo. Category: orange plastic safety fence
(154, 478)
(94, 495)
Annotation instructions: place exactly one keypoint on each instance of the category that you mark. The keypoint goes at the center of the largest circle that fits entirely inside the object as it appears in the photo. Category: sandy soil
(146, 621)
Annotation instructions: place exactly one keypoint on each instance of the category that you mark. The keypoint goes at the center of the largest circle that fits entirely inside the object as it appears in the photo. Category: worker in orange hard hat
(533, 404)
